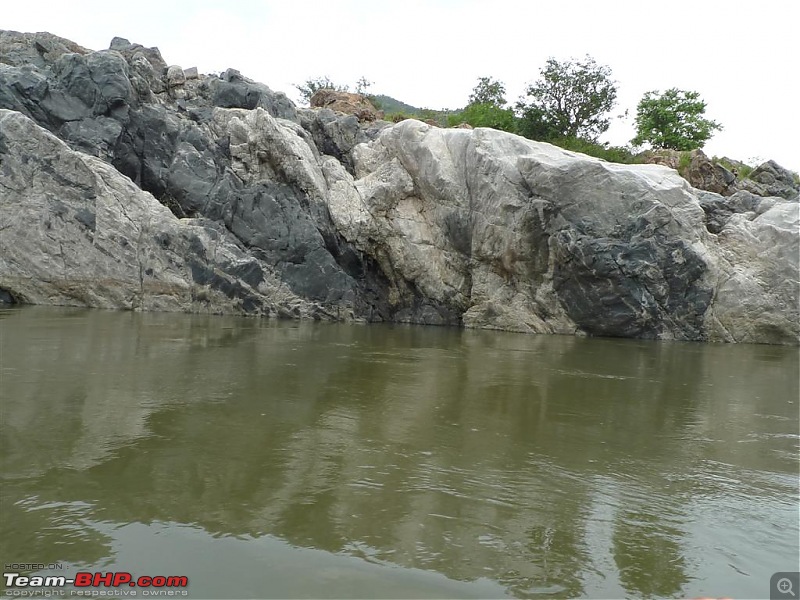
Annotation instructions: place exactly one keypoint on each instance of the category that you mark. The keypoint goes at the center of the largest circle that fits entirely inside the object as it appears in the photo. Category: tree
(570, 99)
(488, 91)
(533, 124)
(486, 107)
(673, 120)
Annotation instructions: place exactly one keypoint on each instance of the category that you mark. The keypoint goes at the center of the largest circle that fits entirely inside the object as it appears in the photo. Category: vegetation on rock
(486, 108)
(314, 84)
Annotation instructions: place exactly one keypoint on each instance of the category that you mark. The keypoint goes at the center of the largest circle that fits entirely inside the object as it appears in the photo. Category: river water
(268, 459)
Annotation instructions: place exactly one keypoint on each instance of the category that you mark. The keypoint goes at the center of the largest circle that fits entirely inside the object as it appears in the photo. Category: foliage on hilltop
(570, 105)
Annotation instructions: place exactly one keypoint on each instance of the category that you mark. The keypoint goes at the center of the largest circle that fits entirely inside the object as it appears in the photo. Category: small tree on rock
(673, 120)
(571, 99)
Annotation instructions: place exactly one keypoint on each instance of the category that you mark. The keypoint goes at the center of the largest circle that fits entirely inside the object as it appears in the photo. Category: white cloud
(430, 53)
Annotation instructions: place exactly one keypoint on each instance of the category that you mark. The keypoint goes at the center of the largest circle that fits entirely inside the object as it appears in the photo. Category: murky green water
(265, 459)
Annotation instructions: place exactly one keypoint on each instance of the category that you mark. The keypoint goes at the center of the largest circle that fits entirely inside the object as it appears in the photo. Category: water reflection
(554, 466)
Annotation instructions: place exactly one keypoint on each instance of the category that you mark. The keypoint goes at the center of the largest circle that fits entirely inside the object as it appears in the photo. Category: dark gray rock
(719, 209)
(130, 51)
(34, 49)
(99, 80)
(643, 287)
(334, 134)
(232, 90)
(77, 232)
(145, 149)
(771, 179)
(725, 176)
(97, 136)
(29, 90)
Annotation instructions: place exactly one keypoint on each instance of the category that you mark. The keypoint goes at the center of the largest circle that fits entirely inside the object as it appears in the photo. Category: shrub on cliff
(485, 115)
(616, 154)
(486, 108)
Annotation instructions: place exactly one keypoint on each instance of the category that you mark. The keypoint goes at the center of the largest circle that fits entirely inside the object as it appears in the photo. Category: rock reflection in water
(551, 465)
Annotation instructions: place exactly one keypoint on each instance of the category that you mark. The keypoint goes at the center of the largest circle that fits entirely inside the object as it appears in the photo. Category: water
(282, 459)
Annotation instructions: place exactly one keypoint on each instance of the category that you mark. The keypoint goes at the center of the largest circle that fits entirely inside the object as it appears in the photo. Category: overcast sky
(742, 58)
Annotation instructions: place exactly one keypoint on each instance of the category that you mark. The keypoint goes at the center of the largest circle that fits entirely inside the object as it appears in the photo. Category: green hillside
(392, 106)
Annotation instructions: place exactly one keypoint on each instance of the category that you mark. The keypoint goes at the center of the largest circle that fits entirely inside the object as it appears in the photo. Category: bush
(736, 167)
(615, 154)
(683, 163)
(485, 115)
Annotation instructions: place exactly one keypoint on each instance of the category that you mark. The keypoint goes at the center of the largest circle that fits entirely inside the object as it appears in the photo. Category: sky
(742, 59)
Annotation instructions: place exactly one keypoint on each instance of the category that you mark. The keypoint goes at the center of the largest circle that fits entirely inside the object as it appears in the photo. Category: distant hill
(392, 106)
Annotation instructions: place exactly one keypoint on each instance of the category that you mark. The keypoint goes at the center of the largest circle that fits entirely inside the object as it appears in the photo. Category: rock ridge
(126, 182)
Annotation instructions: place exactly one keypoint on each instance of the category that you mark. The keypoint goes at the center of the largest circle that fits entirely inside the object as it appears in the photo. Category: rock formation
(346, 102)
(77, 232)
(129, 183)
(725, 176)
(771, 179)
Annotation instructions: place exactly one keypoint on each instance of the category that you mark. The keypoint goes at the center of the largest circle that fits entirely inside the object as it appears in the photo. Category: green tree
(533, 123)
(486, 107)
(571, 99)
(488, 91)
(673, 120)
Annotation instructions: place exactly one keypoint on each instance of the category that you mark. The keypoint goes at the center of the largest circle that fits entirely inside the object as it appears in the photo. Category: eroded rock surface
(77, 232)
(129, 183)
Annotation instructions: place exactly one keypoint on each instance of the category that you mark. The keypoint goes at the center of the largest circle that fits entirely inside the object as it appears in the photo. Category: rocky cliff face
(128, 183)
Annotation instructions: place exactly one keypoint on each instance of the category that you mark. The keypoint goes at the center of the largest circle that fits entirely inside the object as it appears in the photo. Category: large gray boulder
(525, 236)
(77, 232)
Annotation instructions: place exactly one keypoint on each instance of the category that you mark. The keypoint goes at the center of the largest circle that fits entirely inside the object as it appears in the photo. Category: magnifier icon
(784, 586)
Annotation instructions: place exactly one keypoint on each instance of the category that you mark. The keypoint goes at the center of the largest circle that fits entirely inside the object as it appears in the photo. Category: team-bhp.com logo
(155, 585)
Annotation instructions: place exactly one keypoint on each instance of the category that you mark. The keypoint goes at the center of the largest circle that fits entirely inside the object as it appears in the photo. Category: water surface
(281, 459)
